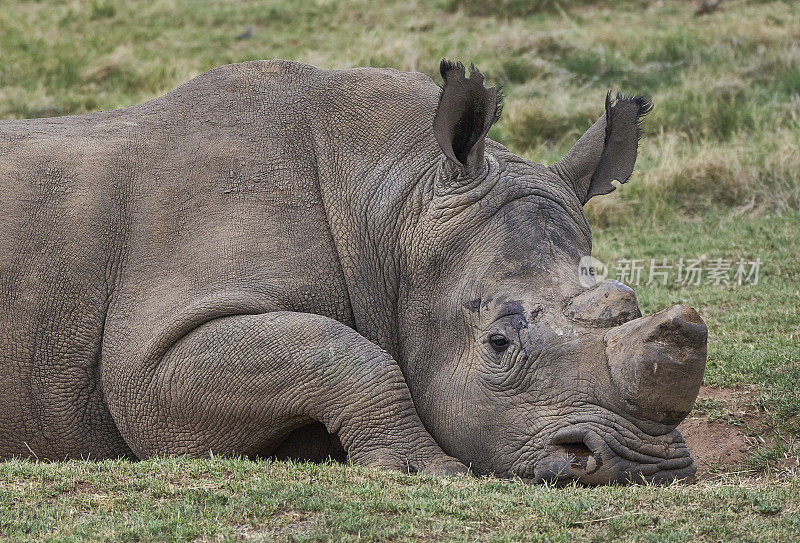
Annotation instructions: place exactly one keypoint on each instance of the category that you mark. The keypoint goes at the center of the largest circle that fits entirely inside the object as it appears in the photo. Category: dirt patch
(86, 487)
(734, 395)
(719, 430)
(715, 443)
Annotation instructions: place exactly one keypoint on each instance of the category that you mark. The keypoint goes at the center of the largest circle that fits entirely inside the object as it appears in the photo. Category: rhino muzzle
(655, 365)
(595, 454)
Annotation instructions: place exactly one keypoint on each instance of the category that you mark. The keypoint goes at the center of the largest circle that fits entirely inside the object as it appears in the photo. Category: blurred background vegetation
(723, 132)
(718, 175)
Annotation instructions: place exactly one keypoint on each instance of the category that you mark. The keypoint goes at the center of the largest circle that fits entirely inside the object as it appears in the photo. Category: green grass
(718, 176)
(186, 500)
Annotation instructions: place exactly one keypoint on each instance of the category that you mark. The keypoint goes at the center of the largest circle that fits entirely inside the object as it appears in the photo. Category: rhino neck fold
(373, 224)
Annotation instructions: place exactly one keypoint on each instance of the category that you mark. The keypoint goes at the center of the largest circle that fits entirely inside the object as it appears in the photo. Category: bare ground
(723, 429)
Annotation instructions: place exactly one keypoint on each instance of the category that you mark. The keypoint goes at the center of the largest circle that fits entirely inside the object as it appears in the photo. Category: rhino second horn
(609, 303)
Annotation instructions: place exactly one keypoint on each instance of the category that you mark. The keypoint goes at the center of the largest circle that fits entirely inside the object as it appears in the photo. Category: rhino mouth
(594, 456)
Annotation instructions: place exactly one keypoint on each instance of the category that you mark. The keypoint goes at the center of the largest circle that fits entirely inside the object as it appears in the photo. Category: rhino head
(515, 366)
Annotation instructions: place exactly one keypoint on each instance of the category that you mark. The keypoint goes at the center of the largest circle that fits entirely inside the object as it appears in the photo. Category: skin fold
(276, 260)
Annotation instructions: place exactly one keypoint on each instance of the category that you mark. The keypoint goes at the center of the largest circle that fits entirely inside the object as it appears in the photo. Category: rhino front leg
(239, 385)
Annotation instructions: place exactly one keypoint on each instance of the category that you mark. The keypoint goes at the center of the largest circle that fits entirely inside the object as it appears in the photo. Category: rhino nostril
(582, 460)
(578, 449)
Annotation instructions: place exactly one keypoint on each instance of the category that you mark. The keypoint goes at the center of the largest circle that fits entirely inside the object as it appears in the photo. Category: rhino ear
(607, 151)
(464, 115)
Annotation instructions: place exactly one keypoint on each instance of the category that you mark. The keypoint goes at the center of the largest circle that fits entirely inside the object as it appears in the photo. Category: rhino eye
(499, 342)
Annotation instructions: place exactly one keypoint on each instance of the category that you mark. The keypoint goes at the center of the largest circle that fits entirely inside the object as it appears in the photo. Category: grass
(186, 500)
(717, 177)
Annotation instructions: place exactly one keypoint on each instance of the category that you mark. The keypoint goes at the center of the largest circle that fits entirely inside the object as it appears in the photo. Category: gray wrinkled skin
(274, 260)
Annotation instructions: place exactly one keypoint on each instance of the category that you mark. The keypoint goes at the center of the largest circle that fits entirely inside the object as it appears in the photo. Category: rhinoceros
(275, 260)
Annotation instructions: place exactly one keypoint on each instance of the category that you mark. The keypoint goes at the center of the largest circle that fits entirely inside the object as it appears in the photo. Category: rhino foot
(436, 464)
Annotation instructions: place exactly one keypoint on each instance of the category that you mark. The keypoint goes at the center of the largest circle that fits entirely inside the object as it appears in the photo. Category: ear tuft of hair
(475, 74)
(447, 66)
(642, 103)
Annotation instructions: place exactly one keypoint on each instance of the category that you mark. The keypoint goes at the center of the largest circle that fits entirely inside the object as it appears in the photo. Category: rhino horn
(657, 363)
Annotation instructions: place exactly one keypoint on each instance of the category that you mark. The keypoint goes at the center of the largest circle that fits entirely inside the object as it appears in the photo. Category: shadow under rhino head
(516, 366)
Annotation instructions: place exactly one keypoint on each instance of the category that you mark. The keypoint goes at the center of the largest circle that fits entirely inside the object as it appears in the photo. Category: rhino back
(225, 213)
